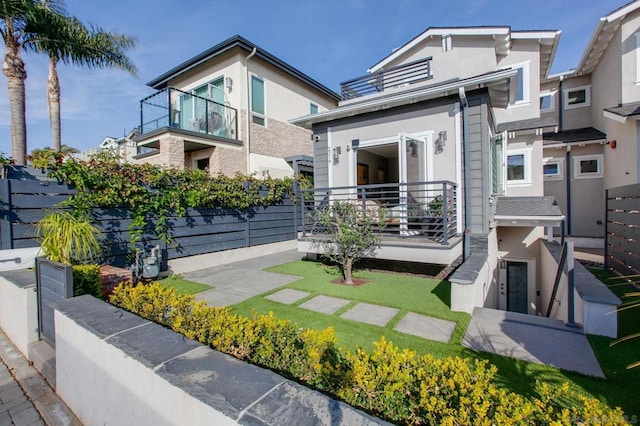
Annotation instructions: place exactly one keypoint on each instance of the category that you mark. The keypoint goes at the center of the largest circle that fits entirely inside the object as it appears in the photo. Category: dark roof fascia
(160, 82)
(574, 135)
(628, 110)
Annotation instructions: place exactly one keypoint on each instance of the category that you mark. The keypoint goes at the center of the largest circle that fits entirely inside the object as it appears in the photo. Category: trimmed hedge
(396, 385)
(86, 280)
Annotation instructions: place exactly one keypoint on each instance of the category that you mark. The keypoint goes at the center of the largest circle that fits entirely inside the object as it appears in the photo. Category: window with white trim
(587, 166)
(576, 97)
(547, 101)
(258, 101)
(520, 94)
(447, 43)
(552, 168)
(519, 167)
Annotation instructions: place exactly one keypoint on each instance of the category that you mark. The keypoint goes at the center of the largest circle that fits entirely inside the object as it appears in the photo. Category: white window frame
(552, 160)
(526, 89)
(447, 43)
(253, 113)
(552, 95)
(527, 167)
(577, 174)
(637, 57)
(587, 96)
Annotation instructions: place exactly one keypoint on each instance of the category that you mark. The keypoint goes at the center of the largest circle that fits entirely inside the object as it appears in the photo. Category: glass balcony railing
(173, 108)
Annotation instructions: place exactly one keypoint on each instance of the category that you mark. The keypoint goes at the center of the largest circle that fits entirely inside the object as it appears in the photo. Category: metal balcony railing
(417, 209)
(398, 76)
(173, 108)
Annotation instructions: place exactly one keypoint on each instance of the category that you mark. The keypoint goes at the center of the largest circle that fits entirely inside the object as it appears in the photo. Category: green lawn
(431, 297)
(183, 286)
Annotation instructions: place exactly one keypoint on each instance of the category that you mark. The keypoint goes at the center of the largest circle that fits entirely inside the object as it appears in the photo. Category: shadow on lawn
(443, 292)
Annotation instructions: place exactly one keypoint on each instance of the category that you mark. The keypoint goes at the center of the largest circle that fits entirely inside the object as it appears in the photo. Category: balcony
(396, 77)
(413, 217)
(171, 108)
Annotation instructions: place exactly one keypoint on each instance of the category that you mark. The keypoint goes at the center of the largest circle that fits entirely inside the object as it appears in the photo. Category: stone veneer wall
(114, 367)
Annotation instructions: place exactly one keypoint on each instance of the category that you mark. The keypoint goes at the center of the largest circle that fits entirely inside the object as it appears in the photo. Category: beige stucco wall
(606, 82)
(574, 117)
(626, 45)
(621, 163)
(587, 195)
(470, 56)
(523, 244)
(533, 144)
(435, 119)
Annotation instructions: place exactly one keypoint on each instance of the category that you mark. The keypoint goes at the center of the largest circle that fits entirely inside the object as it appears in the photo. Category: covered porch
(417, 220)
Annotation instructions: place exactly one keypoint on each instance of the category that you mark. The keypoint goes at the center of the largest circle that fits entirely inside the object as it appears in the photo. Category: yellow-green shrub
(397, 385)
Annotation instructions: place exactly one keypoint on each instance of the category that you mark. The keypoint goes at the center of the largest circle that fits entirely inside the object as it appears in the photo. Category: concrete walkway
(531, 338)
(25, 397)
(236, 282)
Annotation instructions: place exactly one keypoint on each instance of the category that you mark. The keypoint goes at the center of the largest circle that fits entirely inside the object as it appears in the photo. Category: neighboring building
(597, 107)
(125, 147)
(227, 110)
(443, 138)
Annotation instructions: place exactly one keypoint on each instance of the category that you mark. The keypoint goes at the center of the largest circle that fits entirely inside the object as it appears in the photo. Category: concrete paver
(35, 403)
(325, 304)
(426, 327)
(371, 314)
(287, 296)
(533, 339)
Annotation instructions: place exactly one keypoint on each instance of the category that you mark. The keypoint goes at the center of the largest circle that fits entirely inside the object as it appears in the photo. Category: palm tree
(18, 21)
(71, 42)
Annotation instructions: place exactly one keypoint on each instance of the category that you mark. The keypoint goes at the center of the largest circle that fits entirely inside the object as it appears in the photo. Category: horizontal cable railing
(379, 81)
(174, 108)
(416, 209)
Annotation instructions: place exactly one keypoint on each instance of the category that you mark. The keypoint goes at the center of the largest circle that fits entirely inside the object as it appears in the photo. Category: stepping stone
(325, 304)
(426, 327)
(370, 314)
(287, 296)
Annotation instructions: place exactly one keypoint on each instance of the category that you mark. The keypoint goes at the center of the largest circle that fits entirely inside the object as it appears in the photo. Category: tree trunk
(53, 103)
(13, 69)
(346, 270)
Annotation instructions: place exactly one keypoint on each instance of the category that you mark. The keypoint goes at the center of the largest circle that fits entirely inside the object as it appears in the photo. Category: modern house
(226, 110)
(597, 106)
(443, 139)
(124, 147)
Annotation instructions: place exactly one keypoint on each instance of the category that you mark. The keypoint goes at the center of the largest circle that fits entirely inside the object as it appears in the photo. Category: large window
(577, 97)
(587, 166)
(257, 101)
(519, 167)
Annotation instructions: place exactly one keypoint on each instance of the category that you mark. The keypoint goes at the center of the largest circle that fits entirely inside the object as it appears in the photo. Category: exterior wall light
(336, 154)
(441, 141)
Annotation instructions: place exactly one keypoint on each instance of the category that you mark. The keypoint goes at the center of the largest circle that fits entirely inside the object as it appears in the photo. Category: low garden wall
(114, 367)
(19, 307)
(470, 283)
(595, 305)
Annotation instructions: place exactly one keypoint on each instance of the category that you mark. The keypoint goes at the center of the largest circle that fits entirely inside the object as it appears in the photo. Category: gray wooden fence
(25, 202)
(622, 236)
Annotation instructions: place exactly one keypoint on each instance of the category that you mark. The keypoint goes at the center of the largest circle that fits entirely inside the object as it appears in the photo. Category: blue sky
(330, 40)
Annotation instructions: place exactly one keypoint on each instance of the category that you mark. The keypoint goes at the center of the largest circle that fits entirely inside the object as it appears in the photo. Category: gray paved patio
(371, 314)
(426, 327)
(325, 304)
(15, 407)
(530, 338)
(236, 282)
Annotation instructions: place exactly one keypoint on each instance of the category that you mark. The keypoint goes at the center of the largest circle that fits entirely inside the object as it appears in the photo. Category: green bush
(397, 385)
(86, 280)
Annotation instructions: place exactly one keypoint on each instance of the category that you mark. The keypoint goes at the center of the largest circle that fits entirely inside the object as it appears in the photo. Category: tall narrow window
(497, 165)
(257, 101)
(520, 84)
(313, 108)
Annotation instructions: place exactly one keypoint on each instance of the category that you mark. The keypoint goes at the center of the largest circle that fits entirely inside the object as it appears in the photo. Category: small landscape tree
(353, 234)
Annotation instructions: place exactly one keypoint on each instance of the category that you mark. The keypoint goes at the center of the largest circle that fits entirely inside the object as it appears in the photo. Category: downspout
(248, 118)
(568, 156)
(466, 160)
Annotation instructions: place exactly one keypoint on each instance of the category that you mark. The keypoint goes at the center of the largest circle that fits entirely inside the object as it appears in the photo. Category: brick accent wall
(280, 139)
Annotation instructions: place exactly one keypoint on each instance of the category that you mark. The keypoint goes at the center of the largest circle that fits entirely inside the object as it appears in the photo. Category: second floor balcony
(395, 77)
(171, 108)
